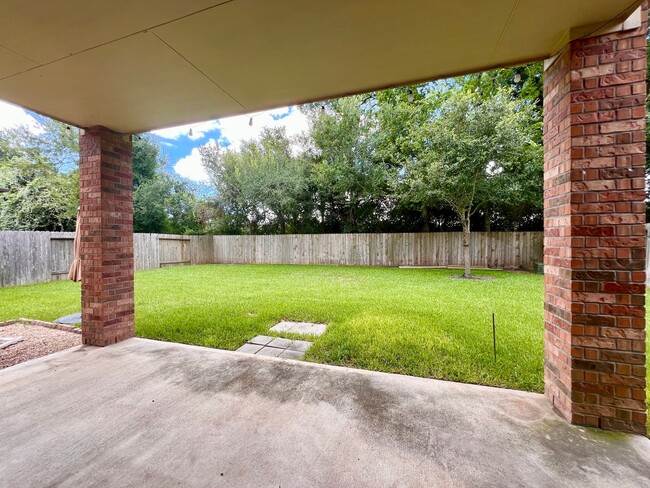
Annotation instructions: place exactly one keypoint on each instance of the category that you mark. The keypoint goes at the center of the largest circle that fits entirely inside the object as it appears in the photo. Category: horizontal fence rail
(517, 250)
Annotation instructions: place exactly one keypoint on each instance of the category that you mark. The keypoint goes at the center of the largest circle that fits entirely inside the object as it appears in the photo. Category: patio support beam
(594, 230)
(106, 214)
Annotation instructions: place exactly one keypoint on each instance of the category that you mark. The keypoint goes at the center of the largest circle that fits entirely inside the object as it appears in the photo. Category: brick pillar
(594, 232)
(106, 183)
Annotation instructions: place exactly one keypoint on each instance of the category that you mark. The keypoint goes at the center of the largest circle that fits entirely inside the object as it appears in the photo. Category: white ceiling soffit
(139, 65)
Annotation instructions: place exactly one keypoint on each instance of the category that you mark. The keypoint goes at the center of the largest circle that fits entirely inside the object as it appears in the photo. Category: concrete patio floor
(148, 413)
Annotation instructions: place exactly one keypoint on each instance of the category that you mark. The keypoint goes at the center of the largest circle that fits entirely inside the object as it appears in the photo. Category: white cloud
(233, 130)
(11, 116)
(190, 167)
(199, 130)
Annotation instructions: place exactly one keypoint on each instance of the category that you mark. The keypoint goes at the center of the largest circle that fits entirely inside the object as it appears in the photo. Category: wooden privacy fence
(488, 249)
(37, 257)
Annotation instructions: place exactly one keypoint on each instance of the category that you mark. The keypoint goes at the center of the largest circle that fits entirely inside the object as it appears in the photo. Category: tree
(466, 150)
(147, 160)
(162, 203)
(348, 182)
(165, 204)
(39, 168)
(260, 185)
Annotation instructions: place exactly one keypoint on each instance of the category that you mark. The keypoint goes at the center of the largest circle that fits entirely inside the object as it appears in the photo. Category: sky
(181, 148)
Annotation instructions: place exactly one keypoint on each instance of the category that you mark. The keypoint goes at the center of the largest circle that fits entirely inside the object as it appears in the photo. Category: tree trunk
(487, 214)
(283, 224)
(425, 219)
(466, 240)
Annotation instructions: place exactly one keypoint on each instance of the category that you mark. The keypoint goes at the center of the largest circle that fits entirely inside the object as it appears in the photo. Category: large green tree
(262, 184)
(38, 167)
(162, 203)
(348, 181)
(473, 149)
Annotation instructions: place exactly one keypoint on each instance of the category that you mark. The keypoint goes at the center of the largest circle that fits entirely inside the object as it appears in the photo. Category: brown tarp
(75, 269)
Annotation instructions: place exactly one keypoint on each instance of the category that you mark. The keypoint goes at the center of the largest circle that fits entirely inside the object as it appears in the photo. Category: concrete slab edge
(364, 372)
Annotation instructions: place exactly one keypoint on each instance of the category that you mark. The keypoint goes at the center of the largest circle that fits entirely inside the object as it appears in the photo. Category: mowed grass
(412, 321)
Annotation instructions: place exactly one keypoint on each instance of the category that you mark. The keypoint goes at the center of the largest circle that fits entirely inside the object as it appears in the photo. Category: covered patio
(151, 413)
(139, 410)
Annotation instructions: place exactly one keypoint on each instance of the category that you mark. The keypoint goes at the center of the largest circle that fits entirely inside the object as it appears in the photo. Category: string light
(191, 132)
(517, 77)
(410, 97)
(250, 122)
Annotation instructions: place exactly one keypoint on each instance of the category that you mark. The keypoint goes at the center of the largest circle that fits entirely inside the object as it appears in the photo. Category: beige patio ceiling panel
(126, 85)
(11, 63)
(143, 64)
(534, 37)
(288, 51)
(46, 30)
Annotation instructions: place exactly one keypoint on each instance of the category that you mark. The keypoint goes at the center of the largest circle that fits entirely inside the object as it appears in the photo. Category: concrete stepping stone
(299, 346)
(275, 347)
(270, 351)
(305, 328)
(280, 342)
(289, 354)
(262, 340)
(72, 319)
(250, 348)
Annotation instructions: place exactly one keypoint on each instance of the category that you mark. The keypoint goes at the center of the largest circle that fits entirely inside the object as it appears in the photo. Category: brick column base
(106, 215)
(594, 231)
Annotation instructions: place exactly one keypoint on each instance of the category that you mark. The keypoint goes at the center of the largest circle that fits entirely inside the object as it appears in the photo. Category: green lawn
(412, 321)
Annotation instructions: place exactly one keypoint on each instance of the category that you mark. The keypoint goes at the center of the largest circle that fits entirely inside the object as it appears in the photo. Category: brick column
(594, 232)
(106, 183)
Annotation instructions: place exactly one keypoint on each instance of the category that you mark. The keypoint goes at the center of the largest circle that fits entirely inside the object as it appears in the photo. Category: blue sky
(180, 147)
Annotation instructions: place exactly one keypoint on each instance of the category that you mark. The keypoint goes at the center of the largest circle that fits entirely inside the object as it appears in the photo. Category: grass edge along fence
(38, 257)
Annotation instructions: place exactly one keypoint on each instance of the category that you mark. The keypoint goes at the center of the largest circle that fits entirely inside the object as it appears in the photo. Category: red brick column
(594, 232)
(106, 183)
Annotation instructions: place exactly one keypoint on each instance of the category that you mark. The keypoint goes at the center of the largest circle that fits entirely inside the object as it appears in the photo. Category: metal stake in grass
(494, 337)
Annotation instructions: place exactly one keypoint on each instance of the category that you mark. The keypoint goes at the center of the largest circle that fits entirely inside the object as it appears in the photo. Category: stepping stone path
(283, 348)
(72, 319)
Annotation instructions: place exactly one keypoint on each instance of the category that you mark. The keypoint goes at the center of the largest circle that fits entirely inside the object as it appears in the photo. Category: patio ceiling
(134, 66)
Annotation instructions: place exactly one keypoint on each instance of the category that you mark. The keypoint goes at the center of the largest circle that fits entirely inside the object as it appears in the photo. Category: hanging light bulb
(409, 96)
(250, 121)
(517, 77)
(191, 132)
(322, 108)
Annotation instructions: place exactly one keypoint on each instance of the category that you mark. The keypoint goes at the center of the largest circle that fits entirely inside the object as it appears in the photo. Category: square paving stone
(283, 326)
(270, 351)
(262, 340)
(281, 343)
(300, 346)
(289, 354)
(250, 348)
(307, 328)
